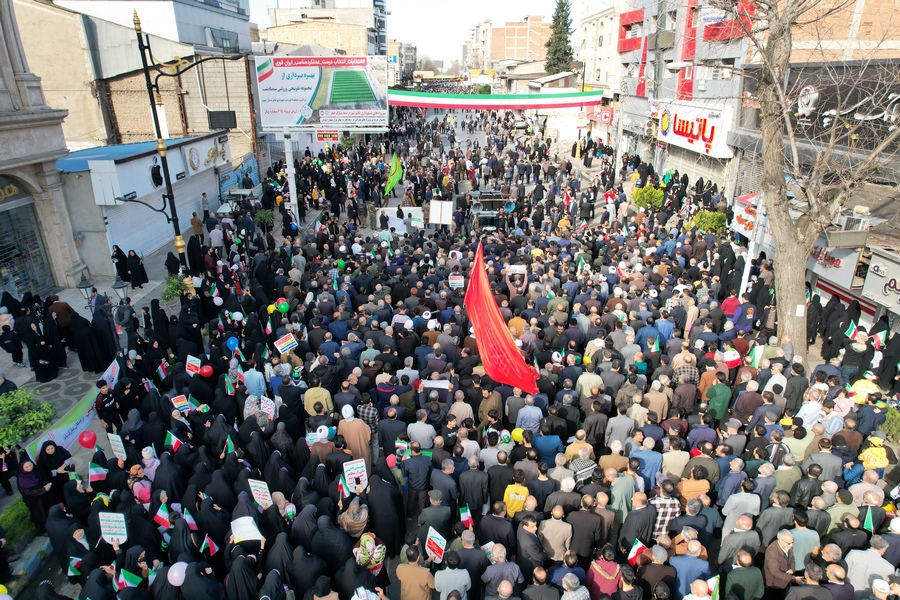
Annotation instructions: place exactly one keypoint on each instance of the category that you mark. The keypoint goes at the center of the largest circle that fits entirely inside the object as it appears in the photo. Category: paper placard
(267, 406)
(112, 527)
(286, 343)
(260, 491)
(245, 529)
(181, 403)
(515, 269)
(192, 365)
(456, 281)
(355, 473)
(118, 448)
(434, 545)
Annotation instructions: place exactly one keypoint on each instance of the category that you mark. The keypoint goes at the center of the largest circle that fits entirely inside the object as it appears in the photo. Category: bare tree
(821, 160)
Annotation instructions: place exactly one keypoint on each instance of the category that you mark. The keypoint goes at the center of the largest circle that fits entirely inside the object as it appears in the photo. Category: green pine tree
(559, 49)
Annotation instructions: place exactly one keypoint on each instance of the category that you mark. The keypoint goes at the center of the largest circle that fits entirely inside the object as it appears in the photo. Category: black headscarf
(241, 582)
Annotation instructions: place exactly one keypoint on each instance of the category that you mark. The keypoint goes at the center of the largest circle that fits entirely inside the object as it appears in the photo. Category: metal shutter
(696, 166)
(135, 227)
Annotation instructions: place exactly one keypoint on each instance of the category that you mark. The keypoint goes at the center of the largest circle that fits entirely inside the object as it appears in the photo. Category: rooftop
(78, 161)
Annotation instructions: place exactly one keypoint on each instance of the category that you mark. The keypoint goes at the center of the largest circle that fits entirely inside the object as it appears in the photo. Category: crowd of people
(674, 446)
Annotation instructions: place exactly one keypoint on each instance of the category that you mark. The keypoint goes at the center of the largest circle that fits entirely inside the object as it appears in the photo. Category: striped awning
(494, 101)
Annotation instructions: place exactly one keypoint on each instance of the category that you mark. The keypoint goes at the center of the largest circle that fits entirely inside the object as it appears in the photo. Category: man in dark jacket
(474, 490)
(496, 528)
(530, 553)
(587, 531)
(638, 524)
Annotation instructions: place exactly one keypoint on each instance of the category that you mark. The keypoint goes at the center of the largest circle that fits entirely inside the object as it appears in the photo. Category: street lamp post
(175, 69)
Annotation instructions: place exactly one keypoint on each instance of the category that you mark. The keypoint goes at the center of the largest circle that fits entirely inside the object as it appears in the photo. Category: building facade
(523, 40)
(101, 82)
(37, 252)
(369, 14)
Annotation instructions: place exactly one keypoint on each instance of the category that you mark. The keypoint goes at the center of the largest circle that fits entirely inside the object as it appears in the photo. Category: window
(224, 39)
(633, 31)
(671, 18)
(600, 41)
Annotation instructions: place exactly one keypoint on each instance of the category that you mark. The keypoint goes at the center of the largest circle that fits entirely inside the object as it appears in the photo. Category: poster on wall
(337, 92)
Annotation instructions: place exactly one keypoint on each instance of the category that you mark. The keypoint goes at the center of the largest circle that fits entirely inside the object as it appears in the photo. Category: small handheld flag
(868, 525)
(465, 516)
(655, 346)
(189, 519)
(162, 370)
(161, 517)
(879, 339)
(636, 549)
(269, 326)
(852, 331)
(97, 473)
(229, 388)
(74, 566)
(229, 445)
(210, 545)
(129, 579)
(173, 441)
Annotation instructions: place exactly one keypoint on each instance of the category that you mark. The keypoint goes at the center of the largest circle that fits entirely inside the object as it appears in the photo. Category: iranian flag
(465, 516)
(581, 264)
(266, 353)
(264, 69)
(636, 549)
(192, 524)
(161, 517)
(221, 324)
(162, 370)
(879, 339)
(229, 389)
(129, 579)
(173, 441)
(269, 326)
(229, 445)
(655, 346)
(583, 225)
(97, 473)
(210, 545)
(74, 566)
(852, 331)
(215, 291)
(713, 585)
(756, 355)
(342, 487)
(240, 354)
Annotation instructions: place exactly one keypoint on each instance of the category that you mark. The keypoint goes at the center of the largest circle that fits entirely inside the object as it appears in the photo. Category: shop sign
(206, 154)
(837, 265)
(12, 190)
(883, 283)
(698, 128)
(327, 135)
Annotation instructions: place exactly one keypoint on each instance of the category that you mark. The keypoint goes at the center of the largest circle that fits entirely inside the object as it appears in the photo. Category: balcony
(666, 40)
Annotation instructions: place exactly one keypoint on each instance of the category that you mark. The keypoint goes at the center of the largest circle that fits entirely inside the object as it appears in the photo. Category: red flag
(496, 348)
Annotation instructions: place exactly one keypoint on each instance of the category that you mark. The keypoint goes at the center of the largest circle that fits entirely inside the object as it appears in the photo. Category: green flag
(867, 523)
(394, 175)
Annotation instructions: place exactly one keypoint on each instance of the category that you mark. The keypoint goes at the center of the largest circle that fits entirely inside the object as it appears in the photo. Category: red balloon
(87, 439)
(206, 371)
(279, 301)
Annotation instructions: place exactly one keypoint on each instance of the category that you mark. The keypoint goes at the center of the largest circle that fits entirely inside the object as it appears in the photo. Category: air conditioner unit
(650, 129)
(855, 224)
